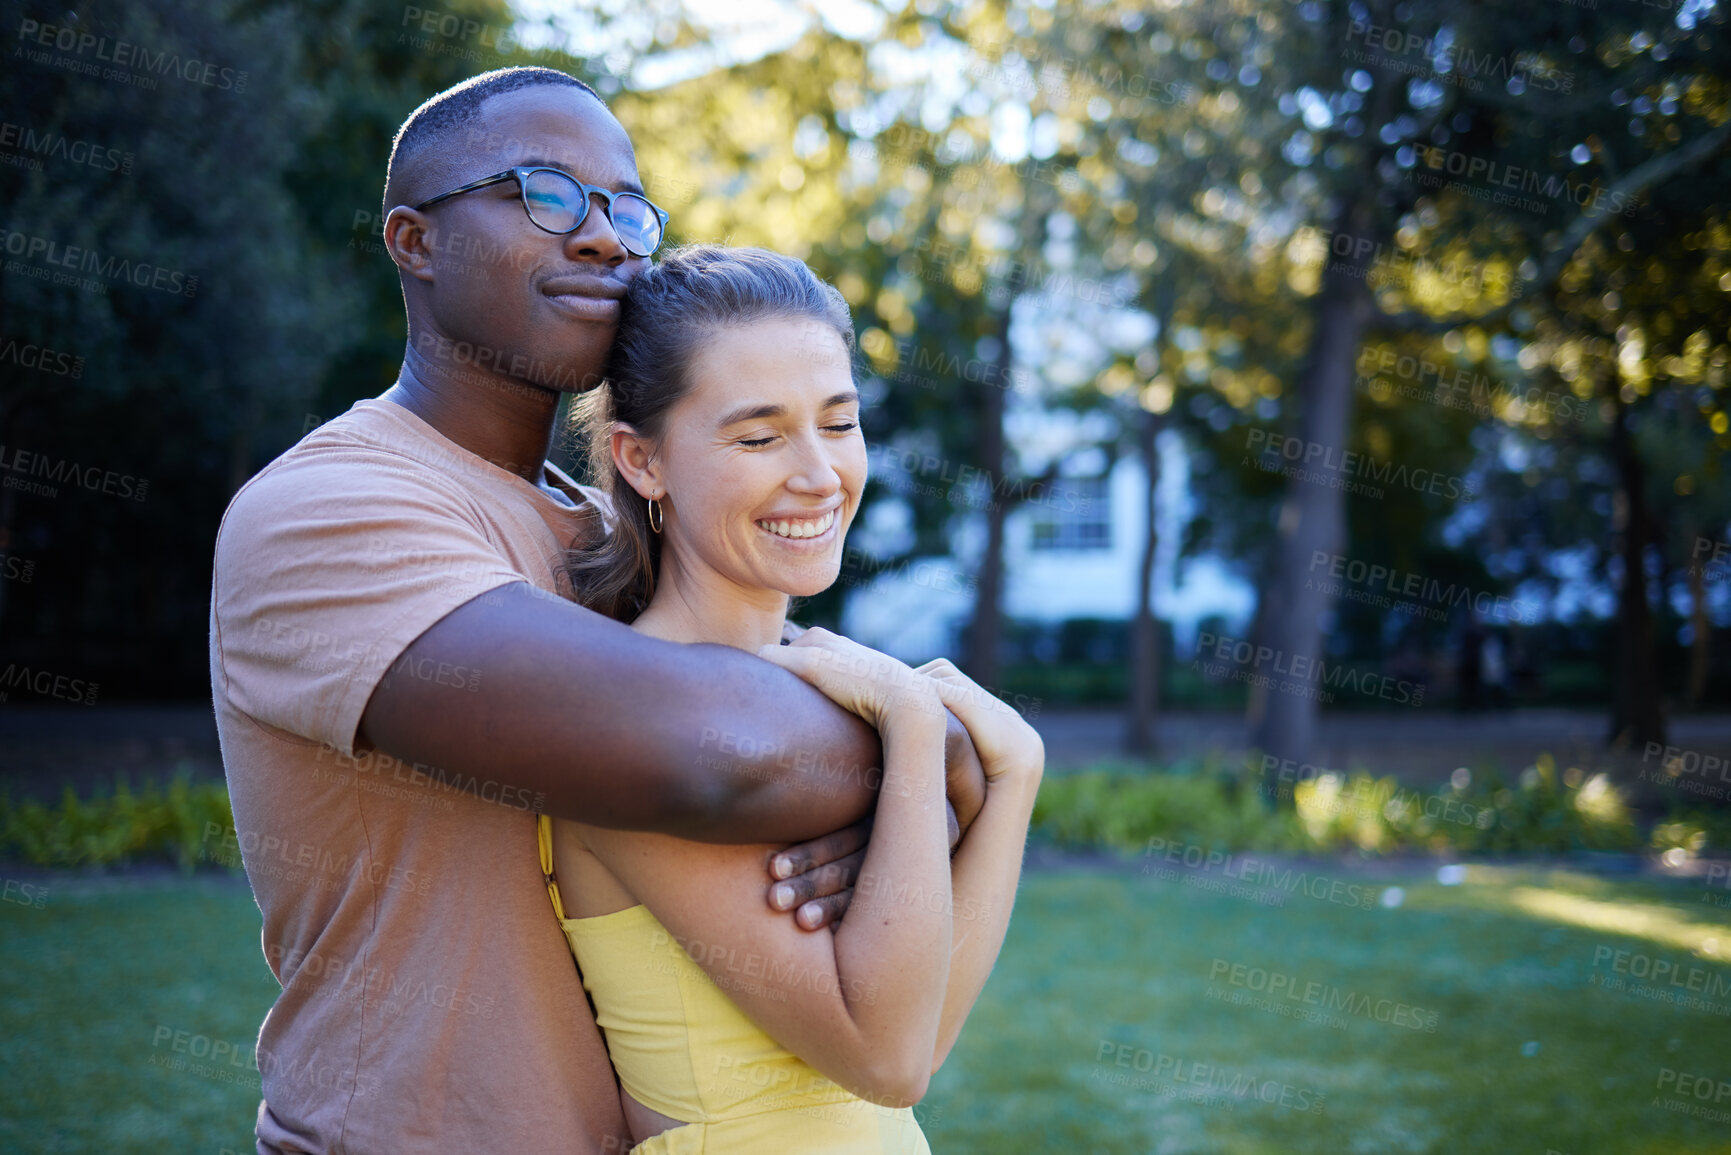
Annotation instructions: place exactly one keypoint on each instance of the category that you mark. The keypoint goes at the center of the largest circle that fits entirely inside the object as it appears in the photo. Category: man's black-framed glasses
(558, 203)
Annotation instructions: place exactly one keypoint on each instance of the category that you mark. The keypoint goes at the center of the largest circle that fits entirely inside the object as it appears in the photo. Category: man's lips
(585, 299)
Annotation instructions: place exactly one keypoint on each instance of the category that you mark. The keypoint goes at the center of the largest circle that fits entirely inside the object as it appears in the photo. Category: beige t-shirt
(429, 1001)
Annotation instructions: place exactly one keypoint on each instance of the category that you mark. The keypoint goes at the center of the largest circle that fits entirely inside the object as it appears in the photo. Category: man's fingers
(803, 856)
(822, 912)
(820, 882)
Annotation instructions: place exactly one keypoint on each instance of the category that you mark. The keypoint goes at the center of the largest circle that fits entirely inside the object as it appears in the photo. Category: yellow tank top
(682, 1048)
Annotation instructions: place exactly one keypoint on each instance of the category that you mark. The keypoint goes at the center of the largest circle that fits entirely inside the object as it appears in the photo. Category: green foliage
(1542, 812)
(1210, 804)
(117, 828)
(1693, 831)
(1119, 807)
(1092, 958)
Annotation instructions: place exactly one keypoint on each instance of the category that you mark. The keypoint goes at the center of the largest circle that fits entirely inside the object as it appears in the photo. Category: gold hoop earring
(655, 516)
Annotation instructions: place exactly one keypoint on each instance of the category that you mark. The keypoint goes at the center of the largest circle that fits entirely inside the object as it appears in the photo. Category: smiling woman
(761, 472)
(728, 432)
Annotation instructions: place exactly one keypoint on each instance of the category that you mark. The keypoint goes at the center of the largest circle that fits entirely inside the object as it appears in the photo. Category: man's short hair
(442, 116)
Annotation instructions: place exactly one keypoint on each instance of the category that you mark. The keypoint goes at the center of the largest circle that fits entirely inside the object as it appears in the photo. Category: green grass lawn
(1108, 1027)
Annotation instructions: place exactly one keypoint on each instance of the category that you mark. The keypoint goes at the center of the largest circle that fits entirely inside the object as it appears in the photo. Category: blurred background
(1312, 416)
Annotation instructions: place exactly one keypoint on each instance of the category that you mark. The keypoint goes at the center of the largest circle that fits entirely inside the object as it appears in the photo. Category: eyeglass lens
(557, 204)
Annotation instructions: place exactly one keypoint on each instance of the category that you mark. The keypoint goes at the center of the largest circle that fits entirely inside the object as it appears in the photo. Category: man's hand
(816, 878)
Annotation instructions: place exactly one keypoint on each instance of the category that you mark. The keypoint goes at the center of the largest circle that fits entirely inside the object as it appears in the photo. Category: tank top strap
(544, 835)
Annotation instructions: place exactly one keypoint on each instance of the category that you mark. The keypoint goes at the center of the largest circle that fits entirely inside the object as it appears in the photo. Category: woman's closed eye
(760, 442)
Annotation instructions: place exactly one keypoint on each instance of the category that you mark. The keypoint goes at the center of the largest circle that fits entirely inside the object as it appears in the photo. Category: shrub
(1210, 804)
(118, 827)
(1204, 803)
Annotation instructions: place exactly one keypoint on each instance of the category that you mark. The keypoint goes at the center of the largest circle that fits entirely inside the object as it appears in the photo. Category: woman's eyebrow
(751, 412)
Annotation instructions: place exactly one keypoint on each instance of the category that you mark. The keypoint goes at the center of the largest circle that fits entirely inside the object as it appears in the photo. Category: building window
(1076, 516)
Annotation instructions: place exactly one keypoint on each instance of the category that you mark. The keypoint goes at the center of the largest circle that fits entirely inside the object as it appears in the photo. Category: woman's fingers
(1001, 736)
(963, 695)
(853, 676)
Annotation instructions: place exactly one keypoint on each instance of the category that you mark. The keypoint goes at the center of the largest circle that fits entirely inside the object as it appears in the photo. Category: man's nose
(596, 239)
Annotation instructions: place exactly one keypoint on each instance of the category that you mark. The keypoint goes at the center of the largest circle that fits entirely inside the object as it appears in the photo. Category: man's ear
(409, 240)
(634, 457)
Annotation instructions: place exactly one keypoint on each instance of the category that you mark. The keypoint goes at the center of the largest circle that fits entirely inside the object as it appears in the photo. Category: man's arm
(619, 730)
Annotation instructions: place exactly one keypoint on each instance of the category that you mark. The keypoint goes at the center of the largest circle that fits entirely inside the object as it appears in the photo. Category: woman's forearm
(984, 876)
(892, 951)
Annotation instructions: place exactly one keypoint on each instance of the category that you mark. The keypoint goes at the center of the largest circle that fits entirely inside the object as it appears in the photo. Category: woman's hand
(873, 685)
(1007, 745)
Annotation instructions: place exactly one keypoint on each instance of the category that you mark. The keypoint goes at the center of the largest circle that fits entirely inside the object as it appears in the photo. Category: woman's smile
(812, 529)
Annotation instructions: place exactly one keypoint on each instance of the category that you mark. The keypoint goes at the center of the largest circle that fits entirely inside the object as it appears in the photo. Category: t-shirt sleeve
(327, 568)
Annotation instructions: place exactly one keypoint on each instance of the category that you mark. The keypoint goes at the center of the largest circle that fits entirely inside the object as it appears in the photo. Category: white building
(1073, 552)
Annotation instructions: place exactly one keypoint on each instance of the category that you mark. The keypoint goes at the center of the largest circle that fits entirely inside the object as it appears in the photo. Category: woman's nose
(816, 470)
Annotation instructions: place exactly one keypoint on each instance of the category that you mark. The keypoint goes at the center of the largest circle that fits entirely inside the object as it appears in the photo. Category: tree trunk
(10, 408)
(1312, 516)
(1637, 717)
(1700, 628)
(986, 630)
(1145, 633)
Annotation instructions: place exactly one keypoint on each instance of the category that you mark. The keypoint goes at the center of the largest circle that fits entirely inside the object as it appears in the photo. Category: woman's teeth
(803, 528)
